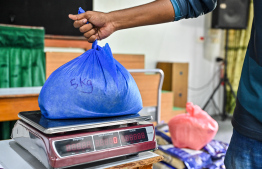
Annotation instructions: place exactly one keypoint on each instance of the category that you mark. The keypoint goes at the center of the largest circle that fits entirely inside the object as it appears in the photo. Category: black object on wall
(231, 14)
(51, 14)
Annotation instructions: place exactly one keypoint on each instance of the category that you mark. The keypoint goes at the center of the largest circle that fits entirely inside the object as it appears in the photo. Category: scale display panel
(80, 145)
(133, 136)
(74, 146)
(108, 140)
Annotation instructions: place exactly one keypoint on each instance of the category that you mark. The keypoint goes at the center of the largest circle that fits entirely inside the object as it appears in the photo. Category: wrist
(112, 20)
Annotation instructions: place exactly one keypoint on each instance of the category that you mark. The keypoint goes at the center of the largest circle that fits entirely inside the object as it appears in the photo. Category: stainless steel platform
(48, 126)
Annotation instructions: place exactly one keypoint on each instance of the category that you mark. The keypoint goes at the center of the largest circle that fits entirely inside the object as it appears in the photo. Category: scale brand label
(77, 139)
(105, 134)
(74, 146)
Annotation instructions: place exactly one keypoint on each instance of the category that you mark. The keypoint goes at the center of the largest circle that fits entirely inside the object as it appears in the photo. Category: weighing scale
(66, 143)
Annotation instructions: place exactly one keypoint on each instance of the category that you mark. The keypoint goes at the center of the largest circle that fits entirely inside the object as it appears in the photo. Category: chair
(150, 88)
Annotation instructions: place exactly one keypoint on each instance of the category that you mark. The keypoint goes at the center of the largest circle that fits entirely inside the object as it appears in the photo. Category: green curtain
(237, 46)
(22, 62)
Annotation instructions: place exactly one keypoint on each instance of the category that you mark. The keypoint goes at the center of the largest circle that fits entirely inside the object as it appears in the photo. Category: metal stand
(226, 82)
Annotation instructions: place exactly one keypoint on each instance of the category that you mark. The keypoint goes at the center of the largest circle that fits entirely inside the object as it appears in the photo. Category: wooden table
(142, 164)
(15, 100)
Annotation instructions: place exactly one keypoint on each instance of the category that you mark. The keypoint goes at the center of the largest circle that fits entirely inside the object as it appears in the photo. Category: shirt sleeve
(192, 8)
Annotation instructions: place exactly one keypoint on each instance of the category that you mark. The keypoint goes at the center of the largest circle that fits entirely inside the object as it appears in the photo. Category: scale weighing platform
(67, 143)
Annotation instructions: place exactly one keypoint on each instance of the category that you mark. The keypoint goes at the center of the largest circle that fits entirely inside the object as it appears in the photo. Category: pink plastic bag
(192, 130)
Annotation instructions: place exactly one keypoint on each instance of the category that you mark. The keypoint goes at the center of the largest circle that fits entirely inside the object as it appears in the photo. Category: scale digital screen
(98, 142)
(74, 146)
(107, 140)
(133, 136)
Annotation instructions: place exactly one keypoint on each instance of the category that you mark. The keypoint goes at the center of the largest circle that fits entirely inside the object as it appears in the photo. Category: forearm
(159, 11)
(101, 25)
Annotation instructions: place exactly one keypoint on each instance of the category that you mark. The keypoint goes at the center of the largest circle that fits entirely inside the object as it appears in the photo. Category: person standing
(245, 149)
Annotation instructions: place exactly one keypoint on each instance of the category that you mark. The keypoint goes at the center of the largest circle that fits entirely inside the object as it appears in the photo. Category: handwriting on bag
(83, 85)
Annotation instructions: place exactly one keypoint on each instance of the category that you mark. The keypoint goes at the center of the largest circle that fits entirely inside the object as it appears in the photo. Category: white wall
(173, 42)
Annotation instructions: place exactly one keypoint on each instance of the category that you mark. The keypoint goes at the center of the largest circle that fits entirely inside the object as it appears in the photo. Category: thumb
(79, 16)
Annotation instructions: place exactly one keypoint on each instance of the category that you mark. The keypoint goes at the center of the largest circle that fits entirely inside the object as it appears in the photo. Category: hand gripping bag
(192, 130)
(90, 86)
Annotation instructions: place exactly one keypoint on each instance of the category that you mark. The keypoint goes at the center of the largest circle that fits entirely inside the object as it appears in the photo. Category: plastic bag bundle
(193, 129)
(162, 134)
(171, 160)
(90, 86)
(193, 159)
(162, 165)
(217, 149)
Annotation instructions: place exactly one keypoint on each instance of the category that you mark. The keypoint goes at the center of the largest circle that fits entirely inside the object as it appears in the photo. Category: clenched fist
(99, 25)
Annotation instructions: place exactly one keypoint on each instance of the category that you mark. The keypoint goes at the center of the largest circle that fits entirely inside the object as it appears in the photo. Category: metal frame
(158, 110)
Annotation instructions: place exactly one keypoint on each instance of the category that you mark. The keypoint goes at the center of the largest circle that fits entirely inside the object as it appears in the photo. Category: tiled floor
(225, 129)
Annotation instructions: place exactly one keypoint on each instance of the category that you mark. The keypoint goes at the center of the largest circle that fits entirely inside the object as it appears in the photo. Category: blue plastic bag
(90, 86)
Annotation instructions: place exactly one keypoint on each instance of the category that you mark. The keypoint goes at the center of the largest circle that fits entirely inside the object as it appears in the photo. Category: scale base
(43, 146)
(11, 151)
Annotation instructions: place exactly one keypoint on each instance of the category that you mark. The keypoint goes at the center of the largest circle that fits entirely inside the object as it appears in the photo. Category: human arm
(160, 11)
(104, 24)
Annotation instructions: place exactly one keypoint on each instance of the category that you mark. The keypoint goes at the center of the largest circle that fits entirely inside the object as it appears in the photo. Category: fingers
(89, 32)
(79, 23)
(92, 39)
(85, 28)
(91, 35)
